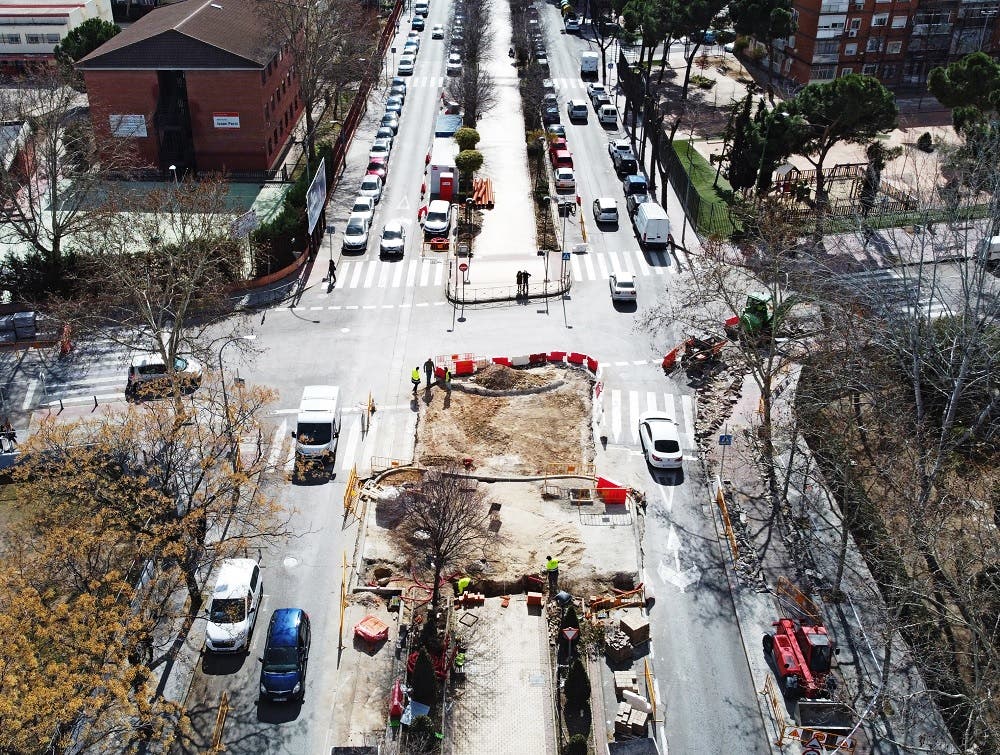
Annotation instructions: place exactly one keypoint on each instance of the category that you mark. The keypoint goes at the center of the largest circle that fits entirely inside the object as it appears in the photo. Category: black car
(550, 114)
(632, 202)
(286, 656)
(417, 24)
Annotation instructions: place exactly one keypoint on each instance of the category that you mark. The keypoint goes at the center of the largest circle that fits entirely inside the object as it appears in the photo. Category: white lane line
(29, 394)
(602, 268)
(650, 401)
(424, 272)
(315, 309)
(621, 364)
(423, 304)
(687, 407)
(633, 413)
(397, 277)
(616, 414)
(346, 459)
(276, 444)
(356, 278)
(411, 273)
(589, 263)
(641, 361)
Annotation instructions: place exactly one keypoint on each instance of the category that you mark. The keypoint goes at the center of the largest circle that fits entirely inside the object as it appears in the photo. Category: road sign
(570, 633)
(725, 440)
(463, 267)
(565, 256)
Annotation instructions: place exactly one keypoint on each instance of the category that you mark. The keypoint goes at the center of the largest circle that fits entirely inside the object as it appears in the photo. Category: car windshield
(390, 235)
(313, 433)
(361, 207)
(667, 446)
(227, 611)
(437, 217)
(180, 364)
(625, 284)
(280, 660)
(369, 185)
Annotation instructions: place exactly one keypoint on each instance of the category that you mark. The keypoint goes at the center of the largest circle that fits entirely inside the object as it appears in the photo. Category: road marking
(290, 459)
(589, 264)
(667, 496)
(29, 395)
(669, 407)
(397, 277)
(616, 414)
(276, 443)
(680, 578)
(640, 361)
(438, 274)
(602, 269)
(315, 309)
(633, 415)
(651, 401)
(615, 264)
(370, 277)
(411, 273)
(575, 268)
(356, 278)
(687, 408)
(350, 448)
(383, 276)
(369, 306)
(404, 204)
(87, 399)
(351, 306)
(621, 364)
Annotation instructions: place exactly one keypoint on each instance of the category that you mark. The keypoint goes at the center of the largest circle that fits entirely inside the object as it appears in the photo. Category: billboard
(316, 196)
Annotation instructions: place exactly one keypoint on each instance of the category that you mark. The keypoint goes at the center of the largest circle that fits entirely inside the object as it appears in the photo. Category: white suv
(438, 218)
(234, 607)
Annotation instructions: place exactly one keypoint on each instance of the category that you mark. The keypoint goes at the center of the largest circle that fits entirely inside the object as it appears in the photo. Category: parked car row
(232, 616)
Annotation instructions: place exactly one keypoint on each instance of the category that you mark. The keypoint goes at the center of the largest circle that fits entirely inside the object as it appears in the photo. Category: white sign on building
(128, 126)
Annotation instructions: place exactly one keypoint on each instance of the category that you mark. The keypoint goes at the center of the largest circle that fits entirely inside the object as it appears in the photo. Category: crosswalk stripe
(576, 268)
(687, 407)
(345, 460)
(383, 275)
(438, 274)
(633, 414)
(616, 414)
(425, 272)
(589, 264)
(356, 278)
(614, 264)
(370, 276)
(602, 268)
(397, 277)
(650, 401)
(669, 408)
(290, 459)
(411, 273)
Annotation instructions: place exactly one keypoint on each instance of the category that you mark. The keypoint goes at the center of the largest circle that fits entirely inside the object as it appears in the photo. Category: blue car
(286, 656)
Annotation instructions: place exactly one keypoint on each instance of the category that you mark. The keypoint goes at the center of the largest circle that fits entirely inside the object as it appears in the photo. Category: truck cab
(318, 423)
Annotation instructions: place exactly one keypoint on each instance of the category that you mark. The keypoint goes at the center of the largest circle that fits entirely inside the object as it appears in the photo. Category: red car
(378, 166)
(561, 158)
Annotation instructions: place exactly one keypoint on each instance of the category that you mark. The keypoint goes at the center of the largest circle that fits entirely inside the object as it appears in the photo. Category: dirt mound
(500, 377)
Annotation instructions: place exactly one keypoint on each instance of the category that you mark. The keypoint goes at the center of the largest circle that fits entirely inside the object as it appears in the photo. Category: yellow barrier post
(343, 602)
(650, 689)
(220, 723)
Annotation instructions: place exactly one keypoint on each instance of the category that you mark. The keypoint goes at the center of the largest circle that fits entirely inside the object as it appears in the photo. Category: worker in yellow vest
(463, 584)
(415, 379)
(552, 569)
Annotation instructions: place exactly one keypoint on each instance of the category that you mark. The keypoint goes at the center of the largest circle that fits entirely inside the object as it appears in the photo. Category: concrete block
(636, 628)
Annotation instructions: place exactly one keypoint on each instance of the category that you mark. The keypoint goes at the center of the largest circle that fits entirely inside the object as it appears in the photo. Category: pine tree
(423, 679)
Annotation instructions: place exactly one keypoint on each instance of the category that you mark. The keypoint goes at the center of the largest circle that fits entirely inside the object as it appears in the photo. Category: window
(851, 48)
(880, 19)
(888, 73)
(33, 39)
(52, 39)
(895, 47)
(822, 73)
(869, 69)
(827, 47)
(855, 23)
(846, 71)
(12, 39)
(898, 22)
(874, 44)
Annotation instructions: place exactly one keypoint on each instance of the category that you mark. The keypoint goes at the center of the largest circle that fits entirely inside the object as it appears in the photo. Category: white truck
(317, 428)
(589, 63)
(443, 153)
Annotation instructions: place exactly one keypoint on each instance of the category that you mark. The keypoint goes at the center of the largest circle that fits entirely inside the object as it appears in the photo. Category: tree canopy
(971, 87)
(83, 40)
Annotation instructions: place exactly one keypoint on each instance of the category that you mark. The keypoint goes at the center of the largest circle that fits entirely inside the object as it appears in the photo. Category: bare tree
(448, 522)
(475, 89)
(54, 190)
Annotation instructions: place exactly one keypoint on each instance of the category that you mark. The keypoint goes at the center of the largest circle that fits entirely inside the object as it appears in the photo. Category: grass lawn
(713, 207)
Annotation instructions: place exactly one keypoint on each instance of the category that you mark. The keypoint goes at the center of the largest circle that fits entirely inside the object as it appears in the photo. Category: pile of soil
(510, 434)
(500, 377)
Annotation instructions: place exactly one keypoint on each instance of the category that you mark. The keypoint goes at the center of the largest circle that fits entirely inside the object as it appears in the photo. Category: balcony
(831, 57)
(835, 7)
(829, 33)
(924, 30)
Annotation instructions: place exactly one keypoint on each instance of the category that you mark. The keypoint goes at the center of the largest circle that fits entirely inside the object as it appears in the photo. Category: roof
(192, 34)
(285, 626)
(234, 577)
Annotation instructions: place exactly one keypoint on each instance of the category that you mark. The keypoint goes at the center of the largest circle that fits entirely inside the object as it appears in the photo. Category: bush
(467, 138)
(577, 745)
(702, 82)
(925, 143)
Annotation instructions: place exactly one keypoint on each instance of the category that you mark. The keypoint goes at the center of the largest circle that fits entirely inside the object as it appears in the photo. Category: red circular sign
(463, 267)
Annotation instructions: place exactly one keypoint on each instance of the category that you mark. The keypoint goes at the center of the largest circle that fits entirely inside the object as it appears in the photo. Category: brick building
(32, 29)
(200, 85)
(897, 41)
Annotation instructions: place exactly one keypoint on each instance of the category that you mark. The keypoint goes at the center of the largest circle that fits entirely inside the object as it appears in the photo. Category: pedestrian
(520, 282)
(552, 569)
(415, 379)
(429, 370)
(9, 435)
(447, 379)
(527, 278)
(331, 273)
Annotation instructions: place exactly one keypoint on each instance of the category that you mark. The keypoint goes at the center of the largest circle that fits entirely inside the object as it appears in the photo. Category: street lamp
(225, 398)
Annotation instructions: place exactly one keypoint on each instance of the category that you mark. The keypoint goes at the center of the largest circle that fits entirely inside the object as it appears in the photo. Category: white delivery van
(989, 250)
(607, 115)
(443, 153)
(317, 427)
(589, 62)
(652, 226)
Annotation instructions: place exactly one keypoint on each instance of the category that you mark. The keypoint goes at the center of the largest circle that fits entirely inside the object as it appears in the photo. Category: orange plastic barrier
(611, 491)
(575, 358)
(502, 360)
(592, 364)
(538, 358)
(465, 367)
(671, 358)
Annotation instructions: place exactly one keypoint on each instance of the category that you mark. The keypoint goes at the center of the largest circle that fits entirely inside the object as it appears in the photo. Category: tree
(604, 25)
(155, 276)
(878, 157)
(766, 21)
(971, 87)
(423, 680)
(54, 193)
(577, 745)
(468, 162)
(850, 108)
(453, 521)
(743, 137)
(467, 138)
(79, 42)
(577, 686)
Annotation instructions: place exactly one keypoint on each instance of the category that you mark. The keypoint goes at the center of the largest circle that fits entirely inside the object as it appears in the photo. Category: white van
(652, 226)
(420, 9)
(317, 428)
(607, 115)
(589, 62)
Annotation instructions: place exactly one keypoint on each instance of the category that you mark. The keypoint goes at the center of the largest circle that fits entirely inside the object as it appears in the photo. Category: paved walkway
(504, 707)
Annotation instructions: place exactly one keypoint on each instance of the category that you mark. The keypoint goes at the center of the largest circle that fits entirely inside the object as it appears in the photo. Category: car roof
(285, 626)
(564, 170)
(438, 205)
(145, 360)
(234, 576)
(393, 225)
(661, 425)
(635, 179)
(621, 275)
(369, 177)
(357, 217)
(607, 202)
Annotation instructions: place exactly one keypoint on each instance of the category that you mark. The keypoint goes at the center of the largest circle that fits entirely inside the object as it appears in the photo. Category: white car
(622, 286)
(385, 132)
(565, 179)
(406, 64)
(380, 148)
(363, 206)
(437, 221)
(660, 440)
(234, 607)
(356, 233)
(393, 238)
(606, 210)
(411, 47)
(371, 186)
(437, 31)
(454, 64)
(147, 375)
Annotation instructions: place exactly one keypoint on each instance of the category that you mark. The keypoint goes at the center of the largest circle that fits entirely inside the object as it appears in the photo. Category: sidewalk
(897, 719)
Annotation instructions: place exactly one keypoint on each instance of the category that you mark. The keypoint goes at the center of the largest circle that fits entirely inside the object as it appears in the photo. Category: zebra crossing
(378, 274)
(622, 409)
(424, 82)
(598, 266)
(104, 380)
(887, 290)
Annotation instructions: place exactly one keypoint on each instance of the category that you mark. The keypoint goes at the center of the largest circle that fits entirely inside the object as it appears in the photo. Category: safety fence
(727, 525)
(352, 492)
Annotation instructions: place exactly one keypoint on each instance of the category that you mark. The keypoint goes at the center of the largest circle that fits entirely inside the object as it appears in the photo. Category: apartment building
(30, 31)
(897, 41)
